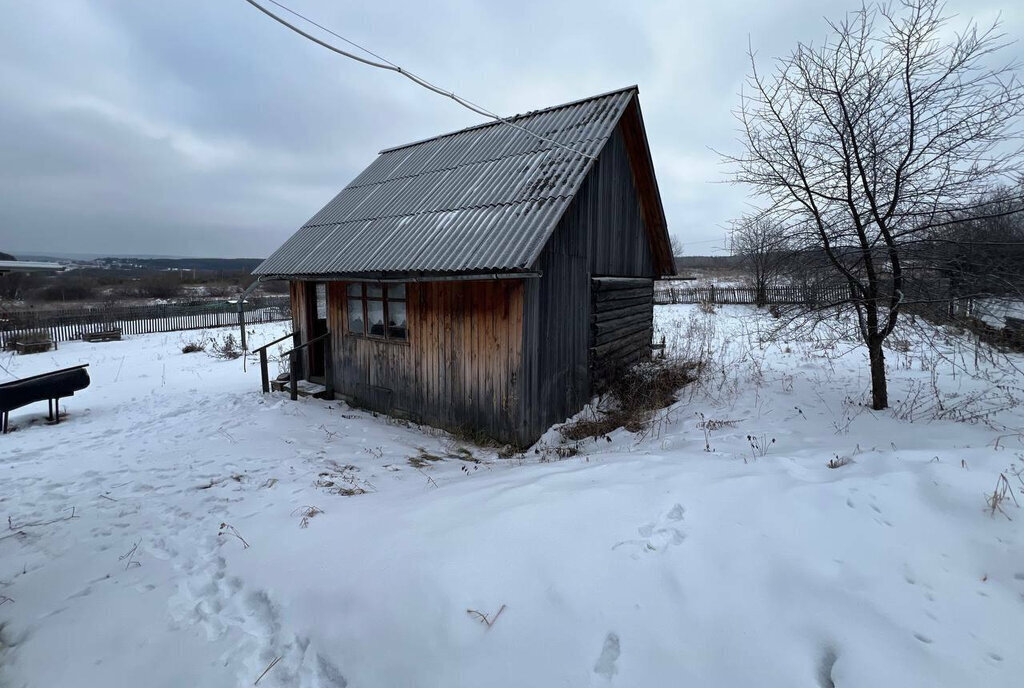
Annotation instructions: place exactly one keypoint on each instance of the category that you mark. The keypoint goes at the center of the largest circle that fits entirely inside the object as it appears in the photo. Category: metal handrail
(276, 341)
(292, 355)
(314, 340)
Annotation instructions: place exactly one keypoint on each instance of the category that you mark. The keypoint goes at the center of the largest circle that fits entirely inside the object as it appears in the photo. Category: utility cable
(391, 66)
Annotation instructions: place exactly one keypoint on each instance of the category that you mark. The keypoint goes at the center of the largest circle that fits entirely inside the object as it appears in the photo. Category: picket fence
(68, 324)
(725, 295)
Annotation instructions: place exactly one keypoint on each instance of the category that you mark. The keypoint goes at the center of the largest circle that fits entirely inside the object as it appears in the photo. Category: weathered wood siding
(621, 325)
(607, 208)
(300, 322)
(603, 233)
(555, 334)
(460, 368)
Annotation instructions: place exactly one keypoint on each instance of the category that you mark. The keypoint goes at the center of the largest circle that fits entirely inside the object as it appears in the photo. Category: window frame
(385, 299)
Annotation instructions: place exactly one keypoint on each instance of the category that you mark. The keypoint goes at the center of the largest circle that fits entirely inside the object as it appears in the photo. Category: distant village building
(486, 281)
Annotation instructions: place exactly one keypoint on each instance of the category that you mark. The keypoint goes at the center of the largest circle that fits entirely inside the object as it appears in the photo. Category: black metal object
(52, 386)
(262, 351)
(293, 364)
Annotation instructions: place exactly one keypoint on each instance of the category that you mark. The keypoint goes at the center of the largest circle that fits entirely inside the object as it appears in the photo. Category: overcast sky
(203, 128)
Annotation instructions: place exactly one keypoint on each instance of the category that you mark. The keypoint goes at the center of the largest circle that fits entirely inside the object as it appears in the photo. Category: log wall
(621, 325)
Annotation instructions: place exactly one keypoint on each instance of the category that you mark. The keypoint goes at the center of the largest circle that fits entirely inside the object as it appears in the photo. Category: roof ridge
(512, 118)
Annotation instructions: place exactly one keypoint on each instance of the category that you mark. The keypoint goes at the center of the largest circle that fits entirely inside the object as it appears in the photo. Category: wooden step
(305, 388)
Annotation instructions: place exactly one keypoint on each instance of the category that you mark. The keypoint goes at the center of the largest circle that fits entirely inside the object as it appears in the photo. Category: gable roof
(480, 200)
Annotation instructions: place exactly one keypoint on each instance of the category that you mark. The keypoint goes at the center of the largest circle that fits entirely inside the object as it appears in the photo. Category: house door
(316, 325)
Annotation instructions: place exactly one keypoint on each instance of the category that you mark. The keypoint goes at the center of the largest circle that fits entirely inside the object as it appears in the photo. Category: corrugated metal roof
(483, 199)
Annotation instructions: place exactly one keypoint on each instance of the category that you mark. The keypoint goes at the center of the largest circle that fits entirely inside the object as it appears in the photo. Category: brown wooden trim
(635, 137)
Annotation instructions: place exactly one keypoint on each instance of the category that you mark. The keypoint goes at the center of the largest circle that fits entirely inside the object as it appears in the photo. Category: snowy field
(181, 529)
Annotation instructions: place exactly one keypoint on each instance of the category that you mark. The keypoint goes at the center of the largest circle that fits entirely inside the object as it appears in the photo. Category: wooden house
(486, 281)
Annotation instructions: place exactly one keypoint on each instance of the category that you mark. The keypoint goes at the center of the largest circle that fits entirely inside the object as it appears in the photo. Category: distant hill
(6, 256)
(216, 264)
(683, 262)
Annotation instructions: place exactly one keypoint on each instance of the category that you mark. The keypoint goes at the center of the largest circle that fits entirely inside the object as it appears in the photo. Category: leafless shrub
(707, 307)
(634, 397)
(227, 348)
(193, 346)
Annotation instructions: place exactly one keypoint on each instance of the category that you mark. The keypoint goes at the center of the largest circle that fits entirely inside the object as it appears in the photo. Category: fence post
(264, 375)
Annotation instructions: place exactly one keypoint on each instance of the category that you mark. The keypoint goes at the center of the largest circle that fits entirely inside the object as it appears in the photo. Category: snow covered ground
(181, 529)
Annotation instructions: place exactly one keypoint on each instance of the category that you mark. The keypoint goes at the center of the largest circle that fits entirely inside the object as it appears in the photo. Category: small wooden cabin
(486, 281)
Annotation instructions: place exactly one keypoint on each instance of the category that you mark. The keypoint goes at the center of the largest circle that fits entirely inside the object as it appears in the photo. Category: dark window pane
(355, 316)
(355, 289)
(396, 291)
(374, 290)
(375, 318)
(396, 320)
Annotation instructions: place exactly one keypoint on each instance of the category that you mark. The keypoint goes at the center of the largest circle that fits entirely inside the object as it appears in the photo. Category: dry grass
(307, 513)
(1003, 492)
(342, 480)
(839, 461)
(193, 347)
(452, 450)
(634, 397)
(227, 348)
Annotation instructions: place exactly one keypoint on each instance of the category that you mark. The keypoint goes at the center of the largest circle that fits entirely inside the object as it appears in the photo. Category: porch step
(305, 388)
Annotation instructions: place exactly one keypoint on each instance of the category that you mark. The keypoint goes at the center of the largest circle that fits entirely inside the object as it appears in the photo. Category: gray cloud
(204, 128)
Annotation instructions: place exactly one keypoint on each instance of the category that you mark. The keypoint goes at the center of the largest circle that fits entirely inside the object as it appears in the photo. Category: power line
(392, 67)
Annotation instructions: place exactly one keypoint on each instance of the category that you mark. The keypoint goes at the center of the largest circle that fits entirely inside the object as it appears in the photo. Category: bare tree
(865, 143)
(763, 251)
(677, 246)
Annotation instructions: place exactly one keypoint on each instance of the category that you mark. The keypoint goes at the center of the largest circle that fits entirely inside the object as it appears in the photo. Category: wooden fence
(725, 295)
(67, 324)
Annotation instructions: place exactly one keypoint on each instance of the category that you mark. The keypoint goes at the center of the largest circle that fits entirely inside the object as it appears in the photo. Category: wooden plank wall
(607, 208)
(459, 370)
(622, 324)
(556, 332)
(300, 323)
(602, 233)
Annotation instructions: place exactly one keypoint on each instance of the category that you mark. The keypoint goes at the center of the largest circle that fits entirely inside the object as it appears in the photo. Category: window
(376, 310)
(321, 301)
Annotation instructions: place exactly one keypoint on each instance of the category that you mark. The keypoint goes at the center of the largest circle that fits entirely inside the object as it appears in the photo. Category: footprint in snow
(661, 534)
(605, 665)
